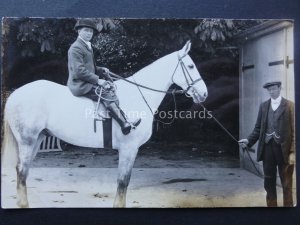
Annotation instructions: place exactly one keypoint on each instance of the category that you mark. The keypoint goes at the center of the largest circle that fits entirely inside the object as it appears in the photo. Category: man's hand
(105, 84)
(243, 143)
(101, 82)
(292, 158)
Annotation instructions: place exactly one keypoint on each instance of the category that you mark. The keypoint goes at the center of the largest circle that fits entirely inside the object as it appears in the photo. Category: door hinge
(288, 61)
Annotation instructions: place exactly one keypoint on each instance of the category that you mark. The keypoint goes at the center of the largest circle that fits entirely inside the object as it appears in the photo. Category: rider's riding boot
(119, 116)
(133, 124)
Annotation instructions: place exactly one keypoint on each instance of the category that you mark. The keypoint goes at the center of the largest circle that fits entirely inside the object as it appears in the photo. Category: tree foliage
(37, 36)
(218, 34)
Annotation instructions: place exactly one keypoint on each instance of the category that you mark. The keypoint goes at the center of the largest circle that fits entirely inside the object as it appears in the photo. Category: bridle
(187, 77)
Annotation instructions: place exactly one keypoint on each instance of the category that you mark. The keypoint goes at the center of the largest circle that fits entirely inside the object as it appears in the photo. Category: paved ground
(178, 179)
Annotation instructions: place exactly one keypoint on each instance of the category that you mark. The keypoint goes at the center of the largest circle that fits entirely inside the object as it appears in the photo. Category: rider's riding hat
(86, 23)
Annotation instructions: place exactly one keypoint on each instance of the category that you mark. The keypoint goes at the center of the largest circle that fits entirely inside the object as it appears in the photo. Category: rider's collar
(86, 42)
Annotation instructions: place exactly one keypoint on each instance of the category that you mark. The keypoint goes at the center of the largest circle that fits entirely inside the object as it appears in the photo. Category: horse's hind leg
(27, 152)
(126, 160)
(25, 156)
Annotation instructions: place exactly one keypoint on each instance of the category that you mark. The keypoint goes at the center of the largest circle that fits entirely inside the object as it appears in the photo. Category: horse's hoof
(119, 206)
(22, 204)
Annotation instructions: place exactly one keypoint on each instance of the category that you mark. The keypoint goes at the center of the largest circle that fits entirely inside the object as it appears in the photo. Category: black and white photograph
(147, 113)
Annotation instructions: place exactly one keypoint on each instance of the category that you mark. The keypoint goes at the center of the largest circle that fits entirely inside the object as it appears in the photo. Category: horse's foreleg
(126, 160)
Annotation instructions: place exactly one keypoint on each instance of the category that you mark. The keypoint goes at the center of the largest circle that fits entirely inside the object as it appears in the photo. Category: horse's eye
(191, 66)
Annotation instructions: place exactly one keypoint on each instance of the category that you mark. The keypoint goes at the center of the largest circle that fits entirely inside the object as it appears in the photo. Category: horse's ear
(188, 46)
(185, 50)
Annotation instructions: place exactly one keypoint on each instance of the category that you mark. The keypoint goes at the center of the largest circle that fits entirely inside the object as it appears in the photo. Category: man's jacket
(285, 125)
(82, 69)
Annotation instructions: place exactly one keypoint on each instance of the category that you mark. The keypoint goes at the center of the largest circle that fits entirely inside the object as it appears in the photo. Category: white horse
(46, 106)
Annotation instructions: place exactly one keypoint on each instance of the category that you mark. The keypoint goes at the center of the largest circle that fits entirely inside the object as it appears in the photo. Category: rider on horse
(85, 78)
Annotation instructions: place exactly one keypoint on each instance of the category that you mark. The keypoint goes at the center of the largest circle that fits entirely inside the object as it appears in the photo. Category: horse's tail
(9, 147)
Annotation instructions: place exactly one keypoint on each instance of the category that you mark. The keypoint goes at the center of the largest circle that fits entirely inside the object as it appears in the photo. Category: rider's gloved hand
(101, 82)
(107, 85)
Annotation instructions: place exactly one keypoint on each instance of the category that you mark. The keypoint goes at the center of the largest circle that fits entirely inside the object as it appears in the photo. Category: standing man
(84, 74)
(274, 130)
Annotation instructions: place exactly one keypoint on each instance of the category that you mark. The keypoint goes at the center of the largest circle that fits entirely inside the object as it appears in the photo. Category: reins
(116, 76)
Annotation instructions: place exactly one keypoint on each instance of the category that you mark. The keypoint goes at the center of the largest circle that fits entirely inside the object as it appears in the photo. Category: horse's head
(188, 77)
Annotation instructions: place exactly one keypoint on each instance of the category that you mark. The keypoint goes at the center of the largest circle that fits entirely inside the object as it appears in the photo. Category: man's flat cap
(269, 84)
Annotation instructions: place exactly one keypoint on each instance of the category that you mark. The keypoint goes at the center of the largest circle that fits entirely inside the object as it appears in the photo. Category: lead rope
(218, 122)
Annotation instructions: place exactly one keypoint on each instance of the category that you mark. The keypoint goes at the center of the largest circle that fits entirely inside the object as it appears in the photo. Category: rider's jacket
(83, 72)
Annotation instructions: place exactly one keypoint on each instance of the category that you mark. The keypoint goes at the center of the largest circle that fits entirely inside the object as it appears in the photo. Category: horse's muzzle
(199, 98)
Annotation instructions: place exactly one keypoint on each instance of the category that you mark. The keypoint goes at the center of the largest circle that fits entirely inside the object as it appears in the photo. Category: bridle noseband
(187, 76)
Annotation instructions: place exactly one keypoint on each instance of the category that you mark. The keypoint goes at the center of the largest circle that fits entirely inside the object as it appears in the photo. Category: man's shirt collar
(86, 42)
(277, 100)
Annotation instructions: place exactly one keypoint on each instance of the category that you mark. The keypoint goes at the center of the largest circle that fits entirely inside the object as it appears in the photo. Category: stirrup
(135, 123)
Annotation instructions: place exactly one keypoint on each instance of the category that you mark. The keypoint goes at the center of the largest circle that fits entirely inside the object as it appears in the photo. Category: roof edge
(263, 29)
